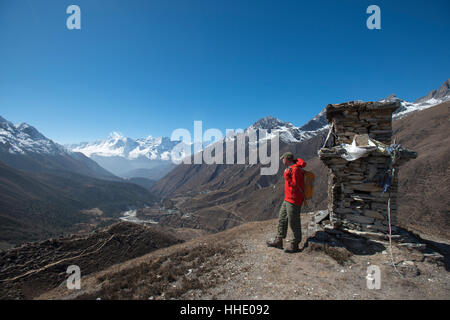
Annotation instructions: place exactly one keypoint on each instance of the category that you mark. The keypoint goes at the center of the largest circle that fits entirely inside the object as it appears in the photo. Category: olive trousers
(290, 214)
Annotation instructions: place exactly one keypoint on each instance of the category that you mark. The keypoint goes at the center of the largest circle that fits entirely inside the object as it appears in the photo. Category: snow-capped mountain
(151, 157)
(130, 158)
(316, 123)
(23, 147)
(25, 139)
(433, 98)
(287, 131)
(116, 145)
(290, 133)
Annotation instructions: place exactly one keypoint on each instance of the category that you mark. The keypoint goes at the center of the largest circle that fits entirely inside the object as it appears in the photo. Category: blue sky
(148, 67)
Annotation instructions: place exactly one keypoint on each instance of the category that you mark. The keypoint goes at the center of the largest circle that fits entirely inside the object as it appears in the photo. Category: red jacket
(293, 182)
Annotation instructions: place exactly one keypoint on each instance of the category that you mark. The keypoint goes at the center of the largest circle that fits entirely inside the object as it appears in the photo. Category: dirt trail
(268, 273)
(236, 264)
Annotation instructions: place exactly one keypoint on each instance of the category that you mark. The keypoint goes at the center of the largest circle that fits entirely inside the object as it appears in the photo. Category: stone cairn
(355, 188)
(357, 217)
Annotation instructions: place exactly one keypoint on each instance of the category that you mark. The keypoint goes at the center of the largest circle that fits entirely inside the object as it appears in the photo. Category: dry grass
(340, 255)
(166, 277)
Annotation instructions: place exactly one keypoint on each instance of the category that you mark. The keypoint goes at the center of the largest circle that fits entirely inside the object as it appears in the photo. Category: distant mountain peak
(437, 96)
(270, 123)
(117, 145)
(24, 139)
(31, 131)
(317, 123)
(287, 131)
(391, 98)
(429, 96)
(434, 97)
(115, 135)
(2, 120)
(290, 133)
(443, 91)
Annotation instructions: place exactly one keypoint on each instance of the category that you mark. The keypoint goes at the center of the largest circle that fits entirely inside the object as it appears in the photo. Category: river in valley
(130, 216)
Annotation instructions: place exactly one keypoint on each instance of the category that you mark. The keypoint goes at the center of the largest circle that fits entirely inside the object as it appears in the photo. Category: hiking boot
(292, 247)
(305, 245)
(276, 243)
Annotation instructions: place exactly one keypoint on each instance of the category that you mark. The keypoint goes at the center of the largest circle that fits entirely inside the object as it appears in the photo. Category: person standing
(291, 207)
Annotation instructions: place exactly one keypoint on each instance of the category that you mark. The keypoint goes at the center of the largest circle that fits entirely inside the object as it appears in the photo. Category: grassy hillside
(37, 267)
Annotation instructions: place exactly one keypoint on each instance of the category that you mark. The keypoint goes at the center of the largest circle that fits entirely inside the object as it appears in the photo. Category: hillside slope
(217, 197)
(35, 268)
(236, 264)
(424, 184)
(35, 206)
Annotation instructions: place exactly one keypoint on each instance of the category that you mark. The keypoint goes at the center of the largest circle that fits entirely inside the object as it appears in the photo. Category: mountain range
(150, 157)
(217, 197)
(23, 147)
(130, 158)
(47, 188)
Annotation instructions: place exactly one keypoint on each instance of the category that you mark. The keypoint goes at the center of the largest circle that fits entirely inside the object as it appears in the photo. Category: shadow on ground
(354, 244)
(341, 245)
(441, 247)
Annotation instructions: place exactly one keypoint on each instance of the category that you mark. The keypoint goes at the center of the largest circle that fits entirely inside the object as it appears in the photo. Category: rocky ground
(236, 264)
